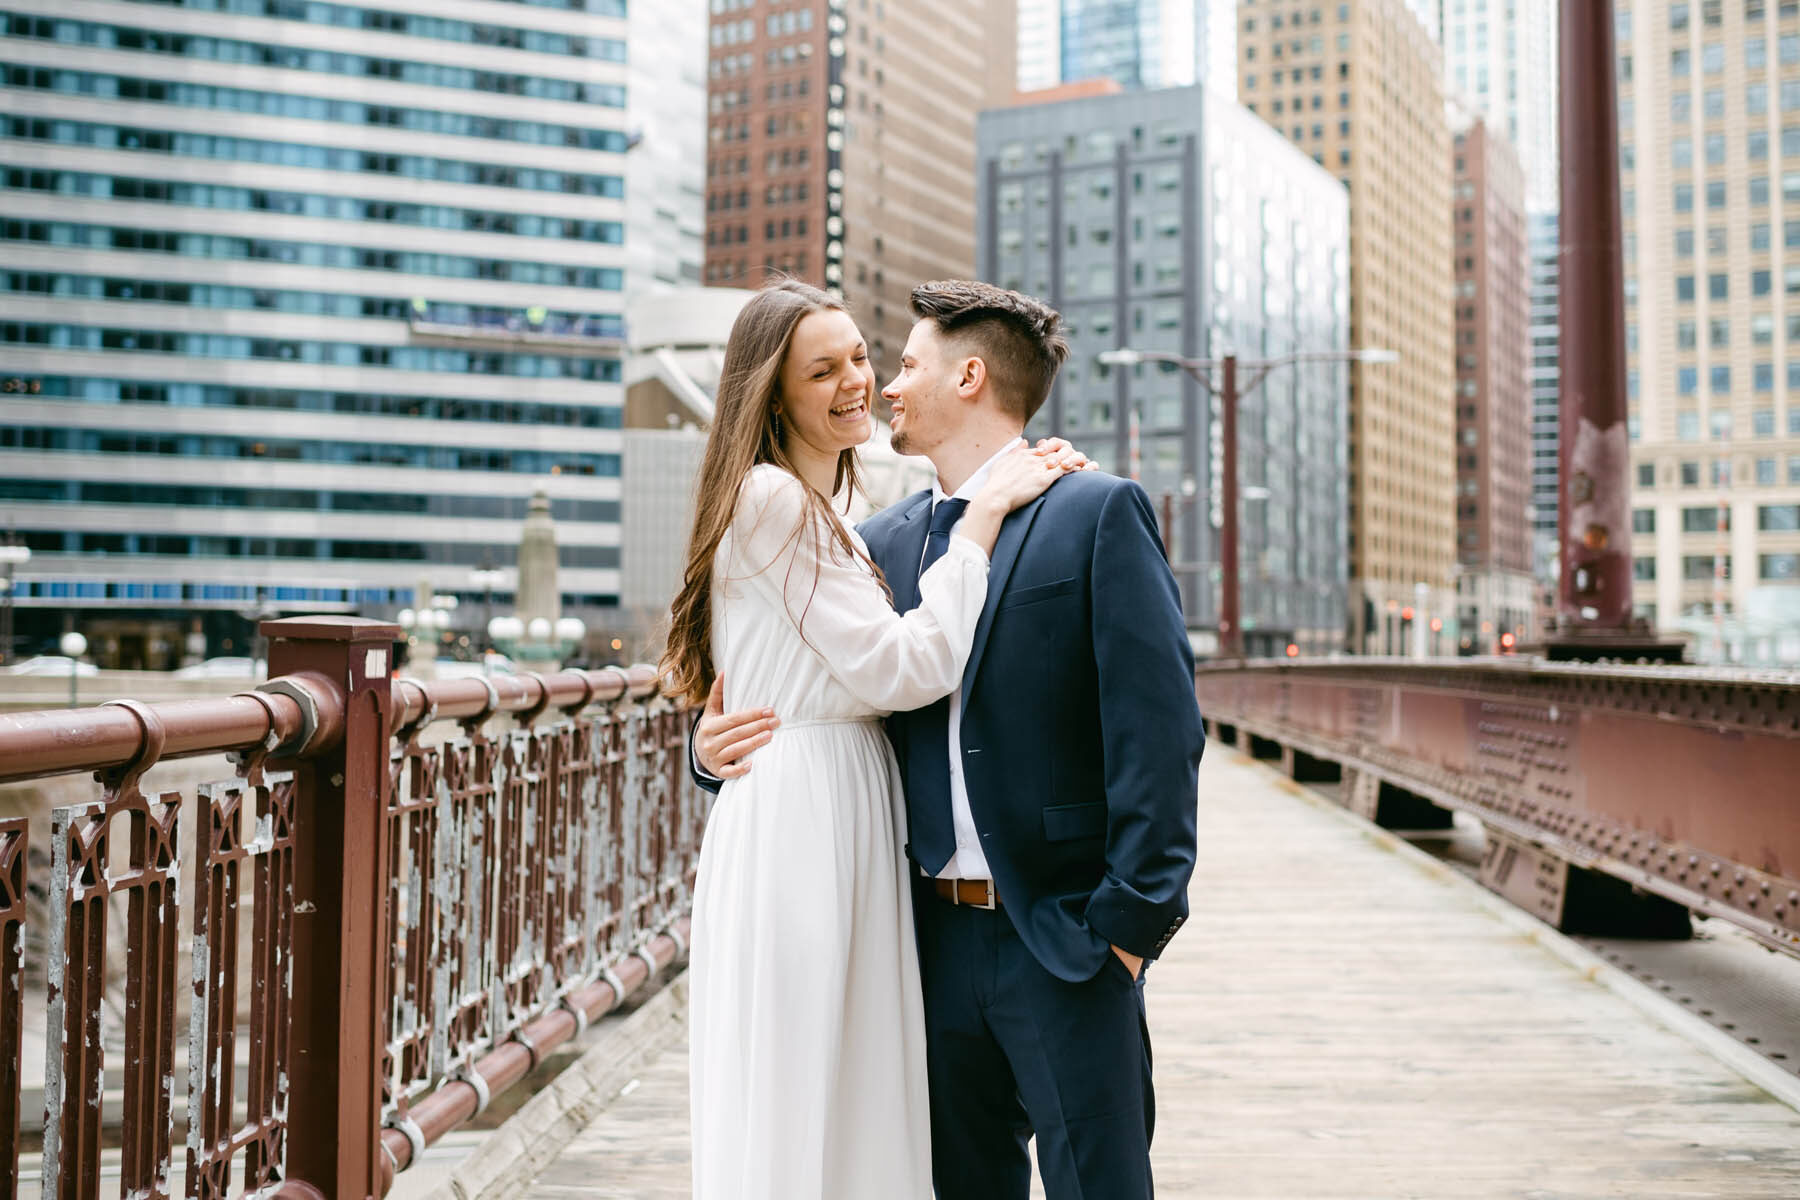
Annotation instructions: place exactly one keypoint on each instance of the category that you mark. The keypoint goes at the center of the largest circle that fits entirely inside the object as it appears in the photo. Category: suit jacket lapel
(905, 549)
(1006, 554)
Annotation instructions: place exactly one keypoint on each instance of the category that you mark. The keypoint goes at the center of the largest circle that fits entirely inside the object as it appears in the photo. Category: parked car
(52, 664)
(228, 667)
(456, 668)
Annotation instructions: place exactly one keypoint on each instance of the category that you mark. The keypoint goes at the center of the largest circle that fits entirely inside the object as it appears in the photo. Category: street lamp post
(487, 577)
(73, 646)
(1231, 633)
(13, 553)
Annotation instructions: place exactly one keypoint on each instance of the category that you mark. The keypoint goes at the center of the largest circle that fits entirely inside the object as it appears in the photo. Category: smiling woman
(822, 403)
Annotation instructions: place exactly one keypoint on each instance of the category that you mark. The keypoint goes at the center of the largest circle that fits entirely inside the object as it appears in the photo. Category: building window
(1765, 472)
(1684, 197)
(1778, 518)
(1715, 194)
(1690, 474)
(1784, 568)
(1720, 419)
(1684, 288)
(1643, 520)
(1646, 475)
(1698, 567)
(1718, 287)
(1643, 569)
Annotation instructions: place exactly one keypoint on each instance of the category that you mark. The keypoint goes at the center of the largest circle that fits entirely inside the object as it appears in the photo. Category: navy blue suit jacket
(1081, 737)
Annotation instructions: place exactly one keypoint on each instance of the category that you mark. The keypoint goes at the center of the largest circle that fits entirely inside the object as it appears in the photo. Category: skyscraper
(665, 190)
(1358, 87)
(1138, 43)
(301, 302)
(1174, 221)
(1500, 60)
(841, 147)
(1493, 415)
(1710, 182)
(1146, 43)
(1544, 248)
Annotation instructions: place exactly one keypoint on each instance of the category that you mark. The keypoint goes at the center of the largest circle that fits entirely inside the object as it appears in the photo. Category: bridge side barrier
(1679, 782)
(383, 933)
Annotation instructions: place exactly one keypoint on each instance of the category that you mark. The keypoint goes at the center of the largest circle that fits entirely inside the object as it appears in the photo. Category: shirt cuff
(970, 546)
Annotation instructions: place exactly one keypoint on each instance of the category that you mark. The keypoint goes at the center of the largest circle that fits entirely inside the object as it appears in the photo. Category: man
(1050, 801)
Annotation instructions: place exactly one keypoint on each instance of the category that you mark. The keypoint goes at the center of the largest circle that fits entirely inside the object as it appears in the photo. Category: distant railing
(384, 933)
(1614, 797)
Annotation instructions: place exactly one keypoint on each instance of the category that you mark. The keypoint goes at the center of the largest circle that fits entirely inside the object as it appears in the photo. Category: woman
(807, 1038)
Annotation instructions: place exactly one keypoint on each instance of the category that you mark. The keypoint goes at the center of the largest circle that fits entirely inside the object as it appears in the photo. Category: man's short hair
(1020, 339)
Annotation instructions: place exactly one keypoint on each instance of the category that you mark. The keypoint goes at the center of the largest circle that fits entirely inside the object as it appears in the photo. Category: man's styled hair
(1020, 339)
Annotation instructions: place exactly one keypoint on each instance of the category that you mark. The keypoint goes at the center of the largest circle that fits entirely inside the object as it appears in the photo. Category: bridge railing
(1614, 797)
(383, 931)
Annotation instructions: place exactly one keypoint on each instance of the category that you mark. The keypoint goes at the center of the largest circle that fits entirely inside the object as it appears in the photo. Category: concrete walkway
(1343, 1017)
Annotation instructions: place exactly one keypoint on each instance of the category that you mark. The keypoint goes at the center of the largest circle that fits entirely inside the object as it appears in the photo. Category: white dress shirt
(968, 862)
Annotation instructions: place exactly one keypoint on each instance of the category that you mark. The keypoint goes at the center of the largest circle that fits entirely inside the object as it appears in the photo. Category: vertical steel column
(1231, 633)
(1594, 592)
(341, 935)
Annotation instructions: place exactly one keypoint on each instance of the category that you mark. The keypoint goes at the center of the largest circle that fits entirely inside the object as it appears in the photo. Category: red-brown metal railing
(422, 922)
(1679, 781)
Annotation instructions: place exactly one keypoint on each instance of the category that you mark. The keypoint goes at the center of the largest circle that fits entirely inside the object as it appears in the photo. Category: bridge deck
(1340, 1019)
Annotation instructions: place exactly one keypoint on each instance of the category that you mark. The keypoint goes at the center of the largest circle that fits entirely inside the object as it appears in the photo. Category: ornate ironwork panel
(83, 880)
(215, 1139)
(14, 840)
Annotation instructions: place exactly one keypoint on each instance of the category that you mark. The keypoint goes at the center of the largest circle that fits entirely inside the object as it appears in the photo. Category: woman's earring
(775, 423)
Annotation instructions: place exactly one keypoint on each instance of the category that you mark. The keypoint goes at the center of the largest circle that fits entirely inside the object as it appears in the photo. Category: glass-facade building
(1171, 221)
(1545, 379)
(1137, 43)
(299, 302)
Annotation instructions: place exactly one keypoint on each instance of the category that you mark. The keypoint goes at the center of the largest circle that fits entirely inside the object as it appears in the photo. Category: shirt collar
(972, 485)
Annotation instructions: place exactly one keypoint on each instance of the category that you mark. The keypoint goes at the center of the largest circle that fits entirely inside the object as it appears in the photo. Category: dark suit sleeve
(1151, 734)
(707, 783)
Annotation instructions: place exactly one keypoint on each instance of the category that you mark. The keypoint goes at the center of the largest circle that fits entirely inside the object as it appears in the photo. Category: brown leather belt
(975, 893)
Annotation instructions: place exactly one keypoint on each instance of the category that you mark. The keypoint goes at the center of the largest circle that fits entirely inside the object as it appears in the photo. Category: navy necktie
(933, 833)
(944, 516)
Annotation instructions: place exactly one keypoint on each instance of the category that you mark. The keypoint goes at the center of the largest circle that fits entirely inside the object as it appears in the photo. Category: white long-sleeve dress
(807, 1035)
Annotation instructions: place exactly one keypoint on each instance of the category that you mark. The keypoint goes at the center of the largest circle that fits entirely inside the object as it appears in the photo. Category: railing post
(341, 918)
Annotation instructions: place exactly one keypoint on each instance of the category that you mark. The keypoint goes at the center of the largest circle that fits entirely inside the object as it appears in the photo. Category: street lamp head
(1124, 356)
(1375, 354)
(13, 554)
(407, 618)
(570, 629)
(72, 644)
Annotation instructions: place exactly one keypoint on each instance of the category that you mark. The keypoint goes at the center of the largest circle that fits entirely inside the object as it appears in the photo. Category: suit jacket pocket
(1071, 822)
(1017, 597)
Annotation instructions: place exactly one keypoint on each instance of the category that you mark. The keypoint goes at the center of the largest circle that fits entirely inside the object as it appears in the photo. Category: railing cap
(330, 629)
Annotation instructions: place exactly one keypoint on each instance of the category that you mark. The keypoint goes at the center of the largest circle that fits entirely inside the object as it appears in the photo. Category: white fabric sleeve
(888, 661)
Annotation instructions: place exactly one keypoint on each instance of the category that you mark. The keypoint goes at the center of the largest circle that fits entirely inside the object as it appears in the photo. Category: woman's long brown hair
(744, 435)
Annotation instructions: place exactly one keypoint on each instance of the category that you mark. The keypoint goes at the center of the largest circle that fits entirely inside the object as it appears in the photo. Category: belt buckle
(991, 903)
